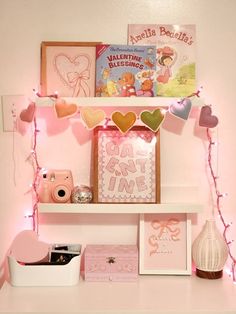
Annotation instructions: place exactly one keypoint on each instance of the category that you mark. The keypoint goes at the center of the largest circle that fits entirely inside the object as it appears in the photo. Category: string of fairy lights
(218, 195)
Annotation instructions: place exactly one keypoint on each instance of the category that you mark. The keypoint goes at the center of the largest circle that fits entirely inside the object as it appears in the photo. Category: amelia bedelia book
(175, 59)
(125, 71)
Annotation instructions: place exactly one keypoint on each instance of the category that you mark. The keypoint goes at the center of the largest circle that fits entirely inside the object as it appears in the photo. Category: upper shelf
(92, 208)
(117, 101)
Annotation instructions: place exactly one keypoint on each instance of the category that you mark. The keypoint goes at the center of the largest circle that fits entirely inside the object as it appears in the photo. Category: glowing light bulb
(106, 123)
(164, 111)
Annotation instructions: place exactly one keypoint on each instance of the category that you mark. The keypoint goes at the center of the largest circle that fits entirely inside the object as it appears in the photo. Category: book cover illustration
(125, 71)
(175, 58)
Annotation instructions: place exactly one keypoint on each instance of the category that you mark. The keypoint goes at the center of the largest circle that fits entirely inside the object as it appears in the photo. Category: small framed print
(165, 244)
(68, 68)
(126, 166)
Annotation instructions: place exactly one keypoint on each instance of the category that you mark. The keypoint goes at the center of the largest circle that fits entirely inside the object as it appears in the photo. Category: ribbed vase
(209, 252)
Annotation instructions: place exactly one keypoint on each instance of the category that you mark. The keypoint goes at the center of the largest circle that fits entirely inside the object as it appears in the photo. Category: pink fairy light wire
(36, 178)
(219, 196)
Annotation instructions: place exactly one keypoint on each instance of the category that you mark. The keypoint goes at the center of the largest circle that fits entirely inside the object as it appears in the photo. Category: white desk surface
(150, 294)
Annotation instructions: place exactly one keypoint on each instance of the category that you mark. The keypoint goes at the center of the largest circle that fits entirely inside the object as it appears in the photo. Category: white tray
(44, 275)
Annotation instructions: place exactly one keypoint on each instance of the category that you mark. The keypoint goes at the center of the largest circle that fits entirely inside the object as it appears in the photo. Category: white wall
(25, 23)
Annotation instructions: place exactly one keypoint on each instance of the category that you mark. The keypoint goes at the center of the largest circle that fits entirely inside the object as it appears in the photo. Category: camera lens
(61, 193)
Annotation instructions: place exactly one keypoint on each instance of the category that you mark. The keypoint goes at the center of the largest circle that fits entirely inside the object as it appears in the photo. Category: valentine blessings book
(125, 71)
(175, 59)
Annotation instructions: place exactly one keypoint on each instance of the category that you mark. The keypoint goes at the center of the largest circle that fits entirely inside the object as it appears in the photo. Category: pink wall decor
(152, 119)
(64, 109)
(92, 117)
(165, 244)
(126, 166)
(27, 115)
(206, 118)
(124, 122)
(69, 68)
(181, 109)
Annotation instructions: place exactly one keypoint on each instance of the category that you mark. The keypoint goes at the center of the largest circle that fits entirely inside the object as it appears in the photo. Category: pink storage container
(111, 263)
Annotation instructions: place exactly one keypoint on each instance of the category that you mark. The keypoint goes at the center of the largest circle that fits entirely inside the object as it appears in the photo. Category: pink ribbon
(81, 87)
(163, 226)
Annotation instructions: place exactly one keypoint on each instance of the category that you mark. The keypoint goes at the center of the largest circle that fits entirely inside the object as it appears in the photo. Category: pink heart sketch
(74, 72)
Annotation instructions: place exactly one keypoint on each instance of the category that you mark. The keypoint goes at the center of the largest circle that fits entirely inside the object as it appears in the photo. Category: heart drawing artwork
(74, 72)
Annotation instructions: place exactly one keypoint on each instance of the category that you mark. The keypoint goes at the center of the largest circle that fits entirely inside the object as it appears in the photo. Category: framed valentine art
(126, 166)
(68, 68)
(165, 244)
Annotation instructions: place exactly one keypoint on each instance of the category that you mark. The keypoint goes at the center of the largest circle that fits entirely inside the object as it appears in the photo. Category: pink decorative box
(111, 263)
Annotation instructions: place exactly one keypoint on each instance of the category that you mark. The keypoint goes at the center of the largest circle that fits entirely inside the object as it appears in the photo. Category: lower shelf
(92, 208)
(150, 294)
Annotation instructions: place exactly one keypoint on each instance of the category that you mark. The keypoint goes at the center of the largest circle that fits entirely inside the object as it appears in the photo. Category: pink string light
(35, 183)
(219, 196)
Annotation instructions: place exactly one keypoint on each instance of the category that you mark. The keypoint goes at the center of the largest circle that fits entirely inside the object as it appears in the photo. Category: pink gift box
(111, 263)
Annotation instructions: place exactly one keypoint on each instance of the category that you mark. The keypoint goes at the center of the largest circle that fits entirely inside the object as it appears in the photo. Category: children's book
(175, 59)
(125, 71)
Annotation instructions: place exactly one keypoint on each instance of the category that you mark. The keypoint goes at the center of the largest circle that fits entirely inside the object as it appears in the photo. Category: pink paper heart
(27, 114)
(206, 118)
(27, 248)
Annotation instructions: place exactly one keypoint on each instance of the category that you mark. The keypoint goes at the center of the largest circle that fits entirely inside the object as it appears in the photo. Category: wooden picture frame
(126, 166)
(68, 68)
(165, 244)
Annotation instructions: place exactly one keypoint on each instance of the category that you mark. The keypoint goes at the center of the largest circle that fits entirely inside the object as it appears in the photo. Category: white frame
(187, 271)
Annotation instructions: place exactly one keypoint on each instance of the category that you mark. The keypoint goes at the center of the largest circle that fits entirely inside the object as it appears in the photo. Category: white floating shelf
(91, 208)
(117, 101)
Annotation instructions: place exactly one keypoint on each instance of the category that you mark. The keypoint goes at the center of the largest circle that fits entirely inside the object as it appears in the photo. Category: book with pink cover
(175, 60)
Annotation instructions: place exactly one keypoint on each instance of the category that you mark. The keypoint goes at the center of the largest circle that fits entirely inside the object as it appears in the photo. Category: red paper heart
(206, 118)
(27, 115)
(27, 248)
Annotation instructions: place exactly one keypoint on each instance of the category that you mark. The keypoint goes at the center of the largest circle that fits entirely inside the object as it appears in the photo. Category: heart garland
(27, 115)
(181, 109)
(92, 117)
(152, 120)
(124, 122)
(64, 110)
(206, 118)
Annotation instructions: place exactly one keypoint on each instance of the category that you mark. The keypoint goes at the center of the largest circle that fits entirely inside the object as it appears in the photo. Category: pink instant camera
(56, 186)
